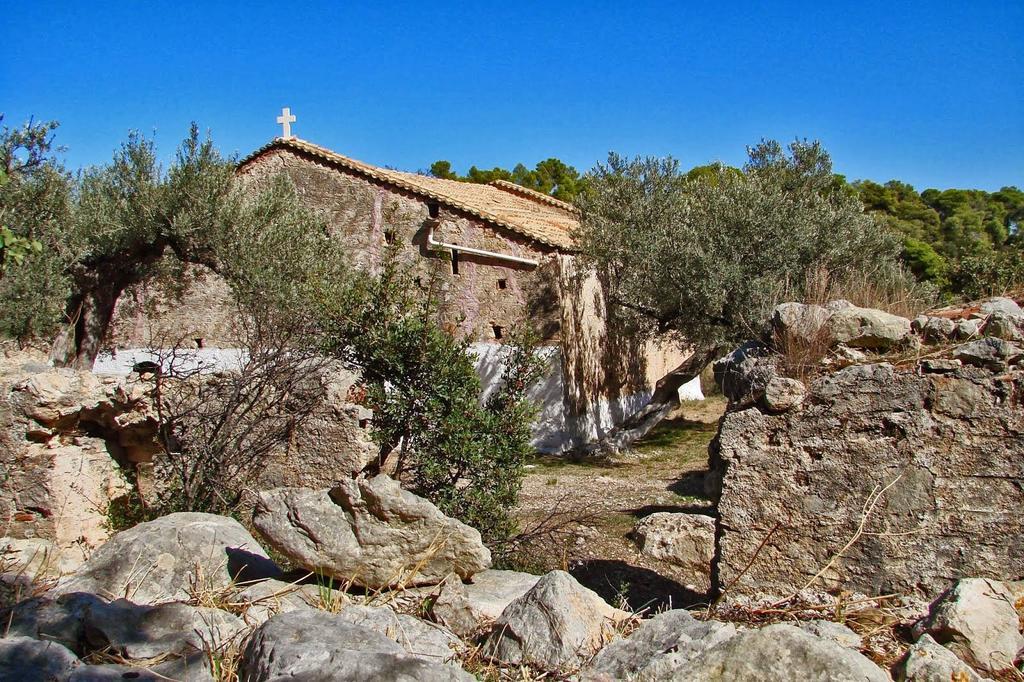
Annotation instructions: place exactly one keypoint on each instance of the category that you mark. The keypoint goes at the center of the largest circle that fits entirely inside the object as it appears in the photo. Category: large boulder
(686, 540)
(867, 328)
(800, 323)
(999, 304)
(928, 661)
(743, 374)
(316, 646)
(468, 608)
(977, 621)
(23, 659)
(369, 531)
(557, 624)
(660, 649)
(161, 560)
(262, 600)
(782, 653)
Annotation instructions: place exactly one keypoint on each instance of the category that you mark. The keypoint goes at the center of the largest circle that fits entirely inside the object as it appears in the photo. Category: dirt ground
(592, 506)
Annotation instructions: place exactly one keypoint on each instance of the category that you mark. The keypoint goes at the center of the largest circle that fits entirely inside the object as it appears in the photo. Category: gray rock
(927, 661)
(799, 323)
(659, 649)
(1003, 326)
(838, 304)
(467, 608)
(154, 562)
(783, 394)
(557, 624)
(23, 659)
(685, 540)
(967, 329)
(369, 531)
(867, 328)
(989, 353)
(1000, 304)
(269, 597)
(743, 374)
(837, 632)
(193, 668)
(781, 653)
(60, 620)
(940, 365)
(419, 638)
(934, 329)
(141, 632)
(315, 646)
(977, 621)
(36, 557)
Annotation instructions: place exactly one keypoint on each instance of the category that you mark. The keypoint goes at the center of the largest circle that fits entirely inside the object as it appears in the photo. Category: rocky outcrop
(557, 624)
(371, 532)
(466, 609)
(160, 560)
(65, 435)
(685, 540)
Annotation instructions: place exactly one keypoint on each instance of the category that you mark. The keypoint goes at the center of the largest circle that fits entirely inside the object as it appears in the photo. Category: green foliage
(706, 257)
(960, 240)
(550, 176)
(34, 216)
(465, 456)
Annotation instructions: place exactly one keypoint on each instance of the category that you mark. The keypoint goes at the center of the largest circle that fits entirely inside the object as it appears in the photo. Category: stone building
(504, 255)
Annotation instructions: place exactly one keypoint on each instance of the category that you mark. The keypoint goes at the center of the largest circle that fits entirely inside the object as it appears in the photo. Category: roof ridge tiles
(551, 229)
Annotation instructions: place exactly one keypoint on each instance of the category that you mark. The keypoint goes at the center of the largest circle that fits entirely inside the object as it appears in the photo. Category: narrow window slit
(498, 331)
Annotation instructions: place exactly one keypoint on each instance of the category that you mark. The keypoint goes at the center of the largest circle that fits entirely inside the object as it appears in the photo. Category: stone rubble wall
(937, 443)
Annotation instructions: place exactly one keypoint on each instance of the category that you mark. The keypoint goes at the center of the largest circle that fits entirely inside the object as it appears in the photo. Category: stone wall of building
(921, 466)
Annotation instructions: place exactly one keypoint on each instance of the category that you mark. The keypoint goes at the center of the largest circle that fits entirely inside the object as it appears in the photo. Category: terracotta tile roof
(528, 213)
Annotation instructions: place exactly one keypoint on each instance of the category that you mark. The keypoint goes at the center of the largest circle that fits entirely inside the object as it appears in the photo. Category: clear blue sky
(932, 94)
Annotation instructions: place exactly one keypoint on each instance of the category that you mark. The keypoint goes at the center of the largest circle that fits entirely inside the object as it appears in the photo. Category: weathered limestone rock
(660, 649)
(269, 597)
(195, 668)
(999, 304)
(417, 637)
(143, 632)
(837, 632)
(744, 373)
(64, 433)
(799, 322)
(1003, 326)
(153, 562)
(60, 620)
(991, 353)
(557, 624)
(36, 557)
(967, 329)
(947, 449)
(30, 660)
(867, 328)
(466, 609)
(927, 661)
(781, 653)
(977, 621)
(783, 394)
(686, 540)
(934, 329)
(319, 646)
(369, 531)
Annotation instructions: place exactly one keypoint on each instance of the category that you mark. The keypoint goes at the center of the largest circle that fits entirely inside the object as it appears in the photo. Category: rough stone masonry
(928, 457)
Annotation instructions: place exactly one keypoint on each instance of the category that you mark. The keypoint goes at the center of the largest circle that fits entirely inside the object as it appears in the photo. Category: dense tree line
(965, 242)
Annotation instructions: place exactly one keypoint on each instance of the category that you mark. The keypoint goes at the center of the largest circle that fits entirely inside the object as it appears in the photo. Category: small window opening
(389, 236)
(434, 210)
(503, 284)
(199, 343)
(455, 262)
(364, 423)
(498, 331)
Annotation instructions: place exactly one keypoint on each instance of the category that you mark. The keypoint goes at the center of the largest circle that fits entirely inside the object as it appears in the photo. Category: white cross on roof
(286, 119)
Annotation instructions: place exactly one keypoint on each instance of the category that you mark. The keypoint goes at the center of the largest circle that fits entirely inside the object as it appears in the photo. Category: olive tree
(704, 259)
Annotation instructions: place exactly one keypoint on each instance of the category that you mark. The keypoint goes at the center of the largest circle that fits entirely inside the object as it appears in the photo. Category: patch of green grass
(680, 440)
